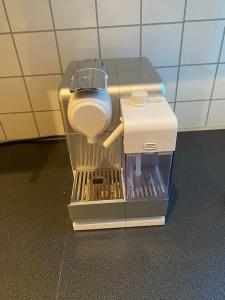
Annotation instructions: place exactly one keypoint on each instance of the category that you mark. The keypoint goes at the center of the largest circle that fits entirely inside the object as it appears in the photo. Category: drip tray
(94, 185)
(97, 194)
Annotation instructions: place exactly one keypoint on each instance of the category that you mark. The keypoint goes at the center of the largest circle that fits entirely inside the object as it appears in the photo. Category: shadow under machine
(121, 136)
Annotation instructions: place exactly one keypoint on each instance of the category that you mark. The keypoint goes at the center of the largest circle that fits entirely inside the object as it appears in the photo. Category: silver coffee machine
(121, 136)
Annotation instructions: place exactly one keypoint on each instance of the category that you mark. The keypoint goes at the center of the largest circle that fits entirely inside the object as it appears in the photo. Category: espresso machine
(121, 136)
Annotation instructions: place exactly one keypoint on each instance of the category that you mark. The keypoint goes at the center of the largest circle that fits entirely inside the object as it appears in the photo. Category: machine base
(119, 223)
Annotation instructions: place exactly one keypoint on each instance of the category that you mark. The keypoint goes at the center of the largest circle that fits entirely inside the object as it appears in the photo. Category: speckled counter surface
(42, 258)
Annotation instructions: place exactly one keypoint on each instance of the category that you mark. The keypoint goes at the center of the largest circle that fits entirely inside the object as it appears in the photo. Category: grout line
(56, 39)
(32, 31)
(27, 112)
(218, 99)
(75, 28)
(86, 28)
(26, 31)
(61, 266)
(16, 112)
(156, 67)
(5, 33)
(205, 20)
(140, 51)
(198, 64)
(20, 65)
(181, 46)
(49, 30)
(111, 26)
(160, 67)
(46, 74)
(215, 76)
(47, 110)
(3, 130)
(98, 27)
(119, 26)
(197, 100)
(188, 65)
(162, 23)
(58, 110)
(98, 32)
(31, 75)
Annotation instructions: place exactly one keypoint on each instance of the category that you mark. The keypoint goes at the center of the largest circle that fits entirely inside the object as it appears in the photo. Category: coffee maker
(121, 137)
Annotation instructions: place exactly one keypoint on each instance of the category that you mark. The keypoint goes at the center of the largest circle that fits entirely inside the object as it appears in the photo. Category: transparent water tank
(147, 175)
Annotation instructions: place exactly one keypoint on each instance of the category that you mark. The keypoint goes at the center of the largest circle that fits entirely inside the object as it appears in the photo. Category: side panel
(146, 208)
(99, 211)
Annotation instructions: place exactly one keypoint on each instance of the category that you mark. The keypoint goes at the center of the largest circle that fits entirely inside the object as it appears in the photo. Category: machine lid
(149, 128)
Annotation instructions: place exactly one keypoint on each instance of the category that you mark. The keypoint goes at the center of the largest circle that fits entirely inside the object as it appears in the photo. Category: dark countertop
(42, 258)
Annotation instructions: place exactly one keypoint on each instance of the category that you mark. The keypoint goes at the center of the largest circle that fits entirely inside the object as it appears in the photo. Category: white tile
(119, 42)
(37, 52)
(202, 41)
(43, 91)
(77, 45)
(219, 88)
(205, 9)
(4, 27)
(2, 136)
(19, 126)
(49, 123)
(29, 15)
(172, 105)
(169, 76)
(13, 96)
(195, 82)
(216, 113)
(117, 12)
(191, 114)
(74, 13)
(157, 11)
(161, 43)
(9, 65)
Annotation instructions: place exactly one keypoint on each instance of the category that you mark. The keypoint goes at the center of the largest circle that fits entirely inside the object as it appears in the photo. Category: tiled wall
(183, 39)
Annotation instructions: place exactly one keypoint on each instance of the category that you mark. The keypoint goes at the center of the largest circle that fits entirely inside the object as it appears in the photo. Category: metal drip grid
(99, 184)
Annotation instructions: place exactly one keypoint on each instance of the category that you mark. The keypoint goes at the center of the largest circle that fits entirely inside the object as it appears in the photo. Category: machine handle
(114, 135)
